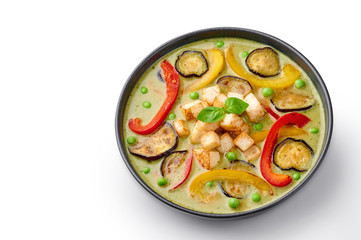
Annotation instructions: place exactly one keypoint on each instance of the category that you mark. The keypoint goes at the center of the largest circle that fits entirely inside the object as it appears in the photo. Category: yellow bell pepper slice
(227, 175)
(288, 76)
(215, 63)
(285, 131)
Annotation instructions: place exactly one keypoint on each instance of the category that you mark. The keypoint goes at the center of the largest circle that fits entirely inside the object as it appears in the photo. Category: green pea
(210, 184)
(143, 90)
(233, 203)
(147, 104)
(162, 181)
(219, 44)
(267, 92)
(296, 176)
(194, 95)
(231, 156)
(172, 116)
(299, 83)
(146, 170)
(258, 126)
(256, 197)
(131, 140)
(244, 54)
(314, 130)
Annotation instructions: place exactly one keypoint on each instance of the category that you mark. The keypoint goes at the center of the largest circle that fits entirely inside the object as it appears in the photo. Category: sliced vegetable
(191, 64)
(237, 189)
(176, 167)
(172, 82)
(293, 154)
(172, 116)
(278, 180)
(216, 63)
(226, 175)
(157, 145)
(234, 84)
(264, 62)
(160, 75)
(289, 101)
(287, 78)
(285, 131)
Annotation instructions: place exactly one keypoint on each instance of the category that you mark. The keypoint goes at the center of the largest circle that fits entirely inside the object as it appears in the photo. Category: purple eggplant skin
(166, 157)
(255, 72)
(285, 110)
(295, 140)
(160, 76)
(191, 75)
(238, 79)
(227, 194)
(137, 149)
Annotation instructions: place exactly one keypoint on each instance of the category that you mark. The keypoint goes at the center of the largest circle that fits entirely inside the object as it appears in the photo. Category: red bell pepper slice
(278, 180)
(270, 111)
(187, 169)
(171, 79)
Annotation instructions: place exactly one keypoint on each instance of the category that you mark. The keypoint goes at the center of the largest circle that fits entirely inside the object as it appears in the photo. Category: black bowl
(217, 33)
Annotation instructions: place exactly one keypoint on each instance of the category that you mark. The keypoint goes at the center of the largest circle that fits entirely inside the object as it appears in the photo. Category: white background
(62, 67)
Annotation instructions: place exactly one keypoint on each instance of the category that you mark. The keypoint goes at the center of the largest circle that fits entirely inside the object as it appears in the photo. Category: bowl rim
(221, 32)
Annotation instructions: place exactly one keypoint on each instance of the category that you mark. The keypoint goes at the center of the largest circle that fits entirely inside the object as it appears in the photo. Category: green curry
(218, 121)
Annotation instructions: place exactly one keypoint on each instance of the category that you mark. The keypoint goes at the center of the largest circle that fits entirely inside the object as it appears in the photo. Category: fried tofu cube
(245, 129)
(208, 126)
(236, 95)
(209, 94)
(255, 110)
(243, 141)
(210, 140)
(226, 142)
(191, 110)
(252, 153)
(197, 133)
(232, 122)
(220, 100)
(180, 128)
(207, 159)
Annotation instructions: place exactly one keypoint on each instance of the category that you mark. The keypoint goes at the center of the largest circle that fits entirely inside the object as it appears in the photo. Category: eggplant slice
(237, 189)
(264, 62)
(289, 101)
(293, 154)
(160, 75)
(158, 144)
(171, 165)
(234, 84)
(191, 64)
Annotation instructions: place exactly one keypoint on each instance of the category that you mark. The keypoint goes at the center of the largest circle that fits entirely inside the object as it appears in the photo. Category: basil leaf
(235, 105)
(211, 114)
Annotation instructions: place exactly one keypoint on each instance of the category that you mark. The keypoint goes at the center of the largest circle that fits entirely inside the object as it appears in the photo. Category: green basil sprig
(215, 114)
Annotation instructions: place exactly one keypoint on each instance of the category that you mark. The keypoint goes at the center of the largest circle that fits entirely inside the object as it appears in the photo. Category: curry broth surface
(156, 95)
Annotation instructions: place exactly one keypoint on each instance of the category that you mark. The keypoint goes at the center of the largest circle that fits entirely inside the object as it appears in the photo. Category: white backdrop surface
(62, 67)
